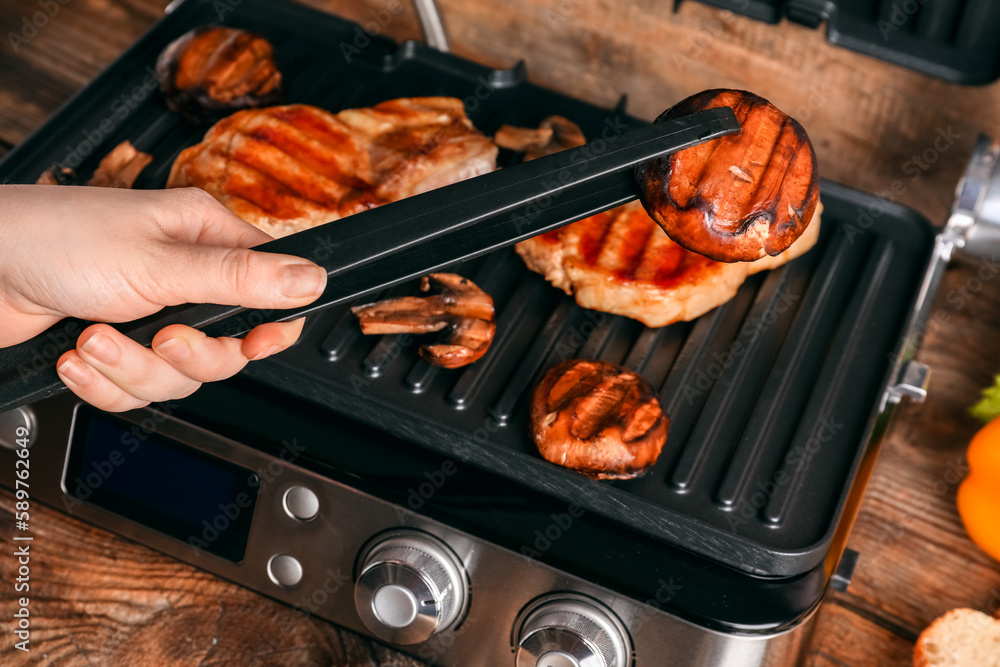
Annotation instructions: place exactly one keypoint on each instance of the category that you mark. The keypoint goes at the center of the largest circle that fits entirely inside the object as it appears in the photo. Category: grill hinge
(912, 380)
(809, 13)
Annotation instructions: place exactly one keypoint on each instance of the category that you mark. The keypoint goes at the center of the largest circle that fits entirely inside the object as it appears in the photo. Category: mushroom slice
(554, 134)
(460, 311)
(120, 167)
(57, 174)
(117, 169)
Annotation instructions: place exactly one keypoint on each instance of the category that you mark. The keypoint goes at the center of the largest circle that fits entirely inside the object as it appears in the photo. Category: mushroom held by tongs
(461, 311)
(741, 197)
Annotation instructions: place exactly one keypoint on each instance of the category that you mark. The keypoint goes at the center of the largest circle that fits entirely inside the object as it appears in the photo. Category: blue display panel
(128, 469)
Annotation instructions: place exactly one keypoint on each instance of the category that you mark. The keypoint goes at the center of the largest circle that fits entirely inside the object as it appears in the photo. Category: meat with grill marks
(289, 168)
(621, 262)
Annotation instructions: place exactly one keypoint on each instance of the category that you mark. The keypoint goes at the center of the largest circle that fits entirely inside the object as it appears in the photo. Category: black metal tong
(384, 246)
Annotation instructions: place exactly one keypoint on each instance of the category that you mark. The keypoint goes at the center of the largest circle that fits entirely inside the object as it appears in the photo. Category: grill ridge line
(684, 420)
(532, 362)
(491, 274)
(728, 389)
(847, 338)
(469, 384)
(785, 370)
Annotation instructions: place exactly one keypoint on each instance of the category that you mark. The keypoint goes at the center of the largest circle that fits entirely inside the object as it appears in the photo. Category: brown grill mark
(594, 235)
(308, 189)
(634, 244)
(267, 193)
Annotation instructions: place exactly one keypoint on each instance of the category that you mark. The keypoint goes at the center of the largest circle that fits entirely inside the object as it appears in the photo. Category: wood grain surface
(100, 600)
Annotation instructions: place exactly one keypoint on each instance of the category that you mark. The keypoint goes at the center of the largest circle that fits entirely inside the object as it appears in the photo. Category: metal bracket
(974, 223)
(912, 381)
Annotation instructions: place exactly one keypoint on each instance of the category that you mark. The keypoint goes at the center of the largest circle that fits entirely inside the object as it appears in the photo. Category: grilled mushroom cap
(597, 418)
(210, 72)
(739, 197)
(462, 312)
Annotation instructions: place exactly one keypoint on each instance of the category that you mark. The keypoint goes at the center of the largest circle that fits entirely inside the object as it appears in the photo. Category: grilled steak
(289, 168)
(621, 262)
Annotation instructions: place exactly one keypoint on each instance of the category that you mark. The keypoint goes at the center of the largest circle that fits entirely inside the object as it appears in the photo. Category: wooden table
(99, 599)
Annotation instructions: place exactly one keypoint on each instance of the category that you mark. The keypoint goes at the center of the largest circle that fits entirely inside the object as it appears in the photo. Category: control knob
(571, 632)
(410, 587)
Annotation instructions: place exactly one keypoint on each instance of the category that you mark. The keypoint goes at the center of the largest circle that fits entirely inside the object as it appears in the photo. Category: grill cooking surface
(772, 396)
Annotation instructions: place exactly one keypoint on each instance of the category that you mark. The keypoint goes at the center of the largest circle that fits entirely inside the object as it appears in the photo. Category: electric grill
(348, 477)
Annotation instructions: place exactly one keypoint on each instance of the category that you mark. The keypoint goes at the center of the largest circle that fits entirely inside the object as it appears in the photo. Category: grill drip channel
(769, 422)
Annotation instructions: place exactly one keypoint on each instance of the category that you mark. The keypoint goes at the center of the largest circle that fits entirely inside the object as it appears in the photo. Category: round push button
(557, 659)
(284, 570)
(395, 606)
(301, 503)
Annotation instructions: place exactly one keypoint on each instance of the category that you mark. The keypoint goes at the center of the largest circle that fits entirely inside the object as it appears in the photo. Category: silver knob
(410, 587)
(571, 632)
(18, 426)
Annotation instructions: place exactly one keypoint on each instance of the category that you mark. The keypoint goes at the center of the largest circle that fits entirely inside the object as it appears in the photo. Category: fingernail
(102, 348)
(302, 280)
(76, 372)
(175, 349)
(266, 352)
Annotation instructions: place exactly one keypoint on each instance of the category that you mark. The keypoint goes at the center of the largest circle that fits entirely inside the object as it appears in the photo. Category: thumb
(240, 277)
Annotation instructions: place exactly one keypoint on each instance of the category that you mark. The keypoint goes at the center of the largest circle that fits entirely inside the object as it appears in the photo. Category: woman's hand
(116, 255)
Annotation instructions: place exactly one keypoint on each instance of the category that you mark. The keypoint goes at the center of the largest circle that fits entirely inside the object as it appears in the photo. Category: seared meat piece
(120, 167)
(212, 71)
(621, 262)
(597, 418)
(290, 168)
(462, 312)
(740, 197)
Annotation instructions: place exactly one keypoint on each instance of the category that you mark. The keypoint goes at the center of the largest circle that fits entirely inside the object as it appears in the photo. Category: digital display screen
(205, 502)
